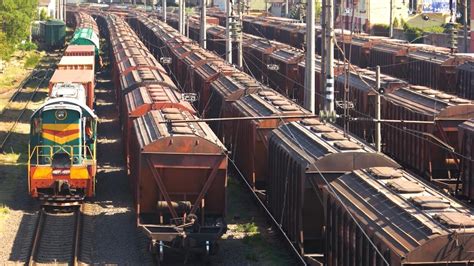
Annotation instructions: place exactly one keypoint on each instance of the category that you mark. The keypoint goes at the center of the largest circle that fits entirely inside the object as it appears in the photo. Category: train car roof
(431, 102)
(155, 96)
(77, 60)
(80, 48)
(267, 102)
(407, 214)
(144, 75)
(154, 134)
(232, 87)
(288, 55)
(72, 75)
(326, 148)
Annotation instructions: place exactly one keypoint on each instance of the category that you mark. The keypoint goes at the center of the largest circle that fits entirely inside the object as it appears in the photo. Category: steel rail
(37, 237)
(39, 233)
(15, 123)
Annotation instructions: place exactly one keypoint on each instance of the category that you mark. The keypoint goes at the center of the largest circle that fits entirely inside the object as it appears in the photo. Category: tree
(43, 16)
(16, 17)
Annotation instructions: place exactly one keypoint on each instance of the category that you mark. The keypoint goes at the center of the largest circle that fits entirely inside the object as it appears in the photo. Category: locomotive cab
(62, 146)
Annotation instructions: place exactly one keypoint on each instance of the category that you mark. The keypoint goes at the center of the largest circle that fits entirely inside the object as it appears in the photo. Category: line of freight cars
(177, 170)
(432, 150)
(419, 64)
(337, 200)
(62, 148)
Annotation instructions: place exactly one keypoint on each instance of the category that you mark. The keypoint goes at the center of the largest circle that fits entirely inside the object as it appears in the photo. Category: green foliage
(434, 29)
(318, 8)
(413, 34)
(15, 17)
(43, 16)
(380, 29)
(247, 227)
(6, 48)
(396, 24)
(32, 60)
(28, 46)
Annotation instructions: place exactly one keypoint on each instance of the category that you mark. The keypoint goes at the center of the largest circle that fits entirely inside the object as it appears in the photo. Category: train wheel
(158, 251)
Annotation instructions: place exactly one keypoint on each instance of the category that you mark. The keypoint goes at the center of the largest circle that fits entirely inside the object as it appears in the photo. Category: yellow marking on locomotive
(43, 172)
(61, 127)
(79, 172)
(59, 139)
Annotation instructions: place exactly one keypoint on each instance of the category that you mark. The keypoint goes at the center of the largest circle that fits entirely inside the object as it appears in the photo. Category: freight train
(63, 131)
(432, 150)
(335, 198)
(418, 64)
(176, 165)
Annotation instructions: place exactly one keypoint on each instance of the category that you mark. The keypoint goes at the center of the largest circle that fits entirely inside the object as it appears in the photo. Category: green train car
(86, 36)
(53, 33)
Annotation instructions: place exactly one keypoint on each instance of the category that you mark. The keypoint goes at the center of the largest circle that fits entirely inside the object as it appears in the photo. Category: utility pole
(310, 57)
(240, 58)
(202, 36)
(228, 39)
(391, 20)
(61, 9)
(163, 6)
(183, 10)
(378, 127)
(329, 86)
(286, 8)
(465, 26)
(180, 13)
(322, 82)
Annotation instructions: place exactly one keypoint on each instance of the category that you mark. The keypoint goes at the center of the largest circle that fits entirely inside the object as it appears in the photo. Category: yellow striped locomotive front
(62, 160)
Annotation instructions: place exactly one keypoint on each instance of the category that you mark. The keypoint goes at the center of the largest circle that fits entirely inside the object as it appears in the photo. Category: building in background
(49, 6)
(368, 13)
(253, 5)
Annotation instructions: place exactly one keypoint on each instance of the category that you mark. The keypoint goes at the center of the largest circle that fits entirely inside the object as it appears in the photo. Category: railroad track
(24, 94)
(57, 236)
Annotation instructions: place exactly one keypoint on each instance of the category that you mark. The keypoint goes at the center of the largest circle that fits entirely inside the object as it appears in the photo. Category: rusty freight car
(386, 216)
(466, 148)
(465, 80)
(305, 156)
(426, 148)
(283, 70)
(250, 138)
(180, 170)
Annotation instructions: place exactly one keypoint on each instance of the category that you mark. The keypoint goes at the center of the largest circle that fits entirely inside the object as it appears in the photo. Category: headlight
(61, 114)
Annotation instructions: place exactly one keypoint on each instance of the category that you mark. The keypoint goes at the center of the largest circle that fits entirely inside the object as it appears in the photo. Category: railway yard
(133, 145)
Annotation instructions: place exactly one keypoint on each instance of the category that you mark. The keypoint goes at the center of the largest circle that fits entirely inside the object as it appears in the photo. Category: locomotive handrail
(88, 153)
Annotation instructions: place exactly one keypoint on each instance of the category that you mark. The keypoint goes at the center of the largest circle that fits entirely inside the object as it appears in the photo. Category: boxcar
(304, 156)
(80, 50)
(465, 80)
(385, 216)
(391, 56)
(250, 140)
(466, 148)
(84, 77)
(180, 170)
(425, 147)
(77, 63)
(53, 33)
(285, 78)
